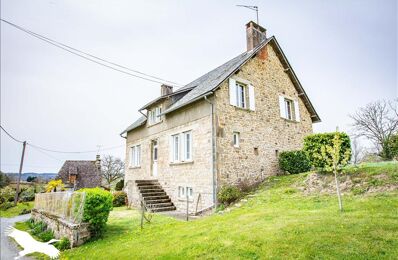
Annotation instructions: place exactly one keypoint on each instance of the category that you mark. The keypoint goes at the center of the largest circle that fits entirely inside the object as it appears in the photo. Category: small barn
(78, 174)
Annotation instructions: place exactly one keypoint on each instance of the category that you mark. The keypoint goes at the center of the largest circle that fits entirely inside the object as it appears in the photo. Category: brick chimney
(165, 90)
(255, 34)
(98, 162)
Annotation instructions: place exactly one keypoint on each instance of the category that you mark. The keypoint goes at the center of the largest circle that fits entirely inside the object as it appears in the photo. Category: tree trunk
(338, 191)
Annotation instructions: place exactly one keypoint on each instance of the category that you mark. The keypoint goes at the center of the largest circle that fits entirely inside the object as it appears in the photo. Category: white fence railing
(66, 205)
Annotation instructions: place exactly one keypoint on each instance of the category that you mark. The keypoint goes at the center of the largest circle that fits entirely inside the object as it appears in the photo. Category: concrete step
(153, 201)
(164, 209)
(159, 205)
(159, 197)
(151, 191)
(146, 182)
(150, 194)
(145, 187)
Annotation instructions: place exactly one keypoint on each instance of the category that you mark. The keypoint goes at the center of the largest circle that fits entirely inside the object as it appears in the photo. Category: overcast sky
(344, 53)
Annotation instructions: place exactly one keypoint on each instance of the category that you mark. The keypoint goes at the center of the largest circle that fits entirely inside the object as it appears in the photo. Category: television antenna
(251, 7)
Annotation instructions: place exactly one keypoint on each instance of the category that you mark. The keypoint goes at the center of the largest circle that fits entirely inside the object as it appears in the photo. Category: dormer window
(154, 115)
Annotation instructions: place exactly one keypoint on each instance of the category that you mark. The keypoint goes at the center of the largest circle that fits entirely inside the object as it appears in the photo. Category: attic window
(241, 94)
(154, 115)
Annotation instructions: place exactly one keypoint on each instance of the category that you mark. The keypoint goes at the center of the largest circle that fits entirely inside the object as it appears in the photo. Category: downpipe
(214, 152)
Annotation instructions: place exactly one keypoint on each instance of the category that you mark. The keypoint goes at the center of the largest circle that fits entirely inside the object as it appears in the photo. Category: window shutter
(296, 110)
(282, 106)
(232, 92)
(252, 100)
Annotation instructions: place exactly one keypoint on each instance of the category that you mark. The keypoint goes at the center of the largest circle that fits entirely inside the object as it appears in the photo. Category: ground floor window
(181, 147)
(135, 155)
(184, 192)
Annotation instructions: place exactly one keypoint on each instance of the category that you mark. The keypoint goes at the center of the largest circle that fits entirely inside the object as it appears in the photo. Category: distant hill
(43, 176)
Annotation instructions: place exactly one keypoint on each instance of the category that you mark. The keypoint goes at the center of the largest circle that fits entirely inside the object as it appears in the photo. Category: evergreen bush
(97, 205)
(313, 147)
(294, 162)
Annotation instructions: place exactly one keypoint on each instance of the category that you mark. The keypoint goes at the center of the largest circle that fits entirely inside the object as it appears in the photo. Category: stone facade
(76, 233)
(263, 132)
(263, 135)
(196, 174)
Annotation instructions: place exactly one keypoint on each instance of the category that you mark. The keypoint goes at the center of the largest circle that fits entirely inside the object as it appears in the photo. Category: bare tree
(377, 121)
(112, 169)
(357, 150)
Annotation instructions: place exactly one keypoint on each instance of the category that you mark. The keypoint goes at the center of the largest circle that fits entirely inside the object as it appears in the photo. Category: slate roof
(88, 175)
(210, 81)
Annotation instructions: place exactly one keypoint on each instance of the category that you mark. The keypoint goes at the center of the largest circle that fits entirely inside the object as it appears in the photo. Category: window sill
(290, 120)
(134, 167)
(180, 163)
(242, 108)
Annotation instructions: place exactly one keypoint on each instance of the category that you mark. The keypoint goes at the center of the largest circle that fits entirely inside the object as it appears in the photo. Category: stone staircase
(154, 196)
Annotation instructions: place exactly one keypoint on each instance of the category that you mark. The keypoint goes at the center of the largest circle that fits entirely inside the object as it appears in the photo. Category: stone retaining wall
(76, 233)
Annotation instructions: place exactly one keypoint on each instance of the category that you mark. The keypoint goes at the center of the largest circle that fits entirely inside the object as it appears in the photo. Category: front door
(154, 158)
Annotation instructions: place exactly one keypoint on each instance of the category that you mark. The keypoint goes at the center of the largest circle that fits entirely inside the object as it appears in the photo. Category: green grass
(15, 211)
(277, 222)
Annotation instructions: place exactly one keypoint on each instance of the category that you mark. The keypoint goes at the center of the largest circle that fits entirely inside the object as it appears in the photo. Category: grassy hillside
(278, 221)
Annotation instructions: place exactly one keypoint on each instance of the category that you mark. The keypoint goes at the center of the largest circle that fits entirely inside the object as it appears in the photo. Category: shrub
(46, 235)
(63, 244)
(54, 185)
(119, 198)
(4, 179)
(6, 205)
(390, 148)
(97, 206)
(7, 194)
(28, 194)
(119, 185)
(229, 194)
(37, 227)
(313, 147)
(294, 162)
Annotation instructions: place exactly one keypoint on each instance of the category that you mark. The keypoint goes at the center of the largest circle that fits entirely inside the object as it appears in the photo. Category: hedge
(119, 198)
(314, 142)
(294, 162)
(98, 204)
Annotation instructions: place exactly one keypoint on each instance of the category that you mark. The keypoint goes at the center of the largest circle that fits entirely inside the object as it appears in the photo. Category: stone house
(81, 174)
(225, 128)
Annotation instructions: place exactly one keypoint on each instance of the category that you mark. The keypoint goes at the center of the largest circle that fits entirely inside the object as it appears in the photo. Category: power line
(58, 151)
(93, 58)
(12, 137)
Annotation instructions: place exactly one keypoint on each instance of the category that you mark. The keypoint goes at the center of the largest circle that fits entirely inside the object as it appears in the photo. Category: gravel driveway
(8, 247)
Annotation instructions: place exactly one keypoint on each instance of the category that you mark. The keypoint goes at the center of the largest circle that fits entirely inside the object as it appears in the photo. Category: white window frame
(181, 192)
(289, 110)
(154, 115)
(135, 156)
(176, 143)
(187, 143)
(241, 100)
(236, 139)
(181, 147)
(184, 191)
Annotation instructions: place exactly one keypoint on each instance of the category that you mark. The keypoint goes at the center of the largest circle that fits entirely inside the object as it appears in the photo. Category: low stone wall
(76, 233)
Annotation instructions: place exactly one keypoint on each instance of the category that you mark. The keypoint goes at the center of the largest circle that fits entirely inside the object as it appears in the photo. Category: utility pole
(20, 172)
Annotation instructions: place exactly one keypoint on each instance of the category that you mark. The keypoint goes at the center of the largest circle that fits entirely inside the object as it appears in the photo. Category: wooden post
(19, 175)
